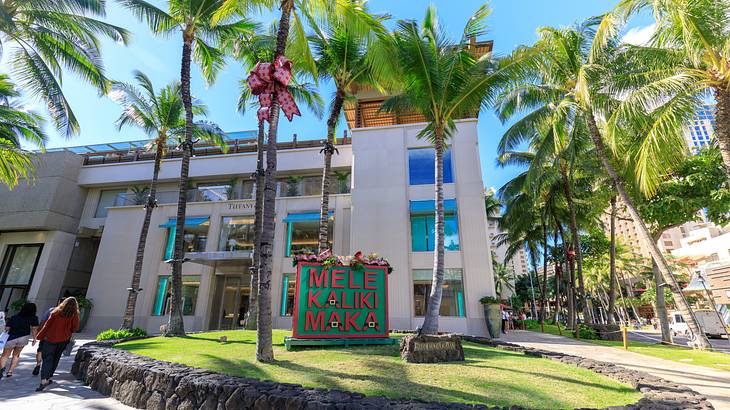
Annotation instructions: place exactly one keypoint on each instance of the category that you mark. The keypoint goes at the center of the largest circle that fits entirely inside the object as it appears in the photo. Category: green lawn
(679, 354)
(716, 360)
(491, 376)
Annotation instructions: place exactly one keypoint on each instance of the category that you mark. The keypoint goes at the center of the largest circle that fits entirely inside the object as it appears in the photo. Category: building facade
(517, 264)
(701, 130)
(75, 231)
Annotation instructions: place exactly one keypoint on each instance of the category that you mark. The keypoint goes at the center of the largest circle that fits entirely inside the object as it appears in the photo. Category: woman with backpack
(20, 327)
(55, 334)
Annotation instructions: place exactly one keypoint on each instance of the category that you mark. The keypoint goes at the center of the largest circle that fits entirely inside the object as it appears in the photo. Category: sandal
(10, 374)
(42, 386)
(36, 370)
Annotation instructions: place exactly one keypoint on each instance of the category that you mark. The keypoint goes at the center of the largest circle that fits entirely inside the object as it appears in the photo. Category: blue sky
(513, 22)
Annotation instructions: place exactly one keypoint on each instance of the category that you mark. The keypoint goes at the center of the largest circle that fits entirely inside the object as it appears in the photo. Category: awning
(189, 221)
(430, 206)
(305, 216)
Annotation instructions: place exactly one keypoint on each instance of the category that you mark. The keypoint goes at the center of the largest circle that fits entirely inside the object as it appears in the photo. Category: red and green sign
(340, 302)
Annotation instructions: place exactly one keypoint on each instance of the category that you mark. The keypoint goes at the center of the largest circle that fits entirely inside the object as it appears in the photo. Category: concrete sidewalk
(714, 384)
(18, 392)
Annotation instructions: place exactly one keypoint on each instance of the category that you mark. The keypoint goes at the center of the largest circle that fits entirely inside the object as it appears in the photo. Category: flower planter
(493, 318)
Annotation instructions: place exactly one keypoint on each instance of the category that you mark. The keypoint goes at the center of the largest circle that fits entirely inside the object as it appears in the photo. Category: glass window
(194, 239)
(247, 189)
(107, 198)
(423, 232)
(163, 297)
(16, 272)
(452, 297)
(301, 186)
(421, 163)
(214, 191)
(237, 233)
(303, 237)
(288, 287)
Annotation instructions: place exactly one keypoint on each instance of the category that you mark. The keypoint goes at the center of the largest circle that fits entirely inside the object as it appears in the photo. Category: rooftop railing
(132, 151)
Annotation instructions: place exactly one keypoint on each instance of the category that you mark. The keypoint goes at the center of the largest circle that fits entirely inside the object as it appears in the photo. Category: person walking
(20, 327)
(505, 319)
(39, 351)
(55, 334)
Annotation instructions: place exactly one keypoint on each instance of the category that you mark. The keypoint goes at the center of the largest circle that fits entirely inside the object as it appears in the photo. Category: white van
(708, 320)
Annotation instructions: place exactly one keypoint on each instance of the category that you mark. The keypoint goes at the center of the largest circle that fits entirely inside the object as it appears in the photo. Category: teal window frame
(423, 232)
(191, 285)
(453, 292)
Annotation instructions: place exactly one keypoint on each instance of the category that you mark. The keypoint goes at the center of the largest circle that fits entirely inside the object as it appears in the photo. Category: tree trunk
(543, 291)
(661, 305)
(431, 319)
(329, 150)
(253, 297)
(533, 262)
(573, 225)
(557, 263)
(128, 321)
(570, 290)
(682, 305)
(722, 125)
(175, 325)
(264, 348)
(612, 265)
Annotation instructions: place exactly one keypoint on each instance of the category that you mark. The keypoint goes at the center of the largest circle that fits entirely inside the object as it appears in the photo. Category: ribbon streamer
(269, 78)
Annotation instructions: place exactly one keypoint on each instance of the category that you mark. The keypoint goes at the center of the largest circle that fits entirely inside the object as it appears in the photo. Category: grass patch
(686, 355)
(490, 376)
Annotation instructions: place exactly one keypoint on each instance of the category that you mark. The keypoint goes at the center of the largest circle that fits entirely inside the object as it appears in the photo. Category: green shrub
(17, 304)
(111, 334)
(489, 300)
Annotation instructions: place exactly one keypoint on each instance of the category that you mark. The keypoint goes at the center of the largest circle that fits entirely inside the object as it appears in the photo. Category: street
(654, 336)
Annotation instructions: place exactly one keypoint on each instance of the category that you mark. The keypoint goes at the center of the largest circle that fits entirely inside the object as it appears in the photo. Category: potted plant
(85, 306)
(16, 305)
(492, 315)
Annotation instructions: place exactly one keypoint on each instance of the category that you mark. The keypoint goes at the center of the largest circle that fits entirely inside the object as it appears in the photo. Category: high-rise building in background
(517, 264)
(702, 128)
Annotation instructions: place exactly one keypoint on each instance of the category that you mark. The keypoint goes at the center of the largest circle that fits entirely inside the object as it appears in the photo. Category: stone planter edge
(146, 383)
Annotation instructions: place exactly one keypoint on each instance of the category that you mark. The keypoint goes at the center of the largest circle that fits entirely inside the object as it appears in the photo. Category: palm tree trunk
(612, 265)
(570, 290)
(722, 127)
(661, 305)
(329, 150)
(431, 319)
(573, 224)
(175, 325)
(264, 348)
(128, 321)
(557, 263)
(533, 262)
(666, 273)
(253, 297)
(543, 291)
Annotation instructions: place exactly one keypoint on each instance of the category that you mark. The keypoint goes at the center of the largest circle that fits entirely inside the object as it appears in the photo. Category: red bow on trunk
(269, 78)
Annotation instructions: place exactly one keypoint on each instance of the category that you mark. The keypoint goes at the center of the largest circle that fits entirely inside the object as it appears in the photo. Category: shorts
(17, 342)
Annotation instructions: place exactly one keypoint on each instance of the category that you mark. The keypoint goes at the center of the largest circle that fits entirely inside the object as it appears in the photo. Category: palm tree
(160, 114)
(503, 277)
(17, 125)
(561, 74)
(349, 56)
(48, 35)
(201, 37)
(443, 82)
(492, 204)
(251, 50)
(685, 61)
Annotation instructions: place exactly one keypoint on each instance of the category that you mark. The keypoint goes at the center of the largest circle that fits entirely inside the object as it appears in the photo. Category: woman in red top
(56, 333)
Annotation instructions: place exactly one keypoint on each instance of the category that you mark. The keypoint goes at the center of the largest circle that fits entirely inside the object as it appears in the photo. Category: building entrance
(231, 294)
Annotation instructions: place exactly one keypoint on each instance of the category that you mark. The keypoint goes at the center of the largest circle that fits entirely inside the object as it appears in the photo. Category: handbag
(3, 339)
(69, 347)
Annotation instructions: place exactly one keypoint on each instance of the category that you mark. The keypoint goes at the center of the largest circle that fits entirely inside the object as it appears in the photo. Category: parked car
(708, 320)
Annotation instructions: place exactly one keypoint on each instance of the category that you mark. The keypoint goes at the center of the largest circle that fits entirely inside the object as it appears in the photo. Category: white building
(517, 264)
(701, 130)
(76, 230)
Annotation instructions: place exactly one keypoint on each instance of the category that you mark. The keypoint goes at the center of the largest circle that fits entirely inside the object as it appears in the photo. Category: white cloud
(639, 36)
(116, 95)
